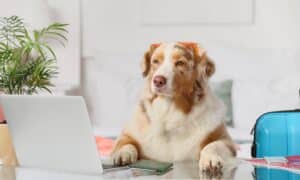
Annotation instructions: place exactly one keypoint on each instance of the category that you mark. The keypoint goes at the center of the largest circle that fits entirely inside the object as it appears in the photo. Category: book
(142, 167)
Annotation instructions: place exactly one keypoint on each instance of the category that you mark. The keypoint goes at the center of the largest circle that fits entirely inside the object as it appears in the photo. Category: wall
(116, 26)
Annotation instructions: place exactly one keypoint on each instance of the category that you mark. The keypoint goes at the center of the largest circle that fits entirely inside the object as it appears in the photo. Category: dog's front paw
(211, 164)
(126, 155)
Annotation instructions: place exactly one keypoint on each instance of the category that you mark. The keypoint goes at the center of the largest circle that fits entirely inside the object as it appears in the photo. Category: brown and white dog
(178, 118)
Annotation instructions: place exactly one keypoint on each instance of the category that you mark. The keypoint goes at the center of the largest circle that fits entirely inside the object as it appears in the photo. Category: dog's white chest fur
(163, 113)
(170, 130)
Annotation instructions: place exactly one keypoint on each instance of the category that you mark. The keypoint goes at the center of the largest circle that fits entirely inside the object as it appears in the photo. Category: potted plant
(27, 66)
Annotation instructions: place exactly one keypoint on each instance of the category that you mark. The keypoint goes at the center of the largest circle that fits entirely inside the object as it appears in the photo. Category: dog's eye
(155, 61)
(179, 63)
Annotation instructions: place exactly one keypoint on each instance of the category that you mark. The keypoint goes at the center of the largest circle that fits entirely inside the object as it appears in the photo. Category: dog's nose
(159, 81)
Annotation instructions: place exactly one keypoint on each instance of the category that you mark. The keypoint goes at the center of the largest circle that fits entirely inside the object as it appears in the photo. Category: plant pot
(7, 153)
(2, 118)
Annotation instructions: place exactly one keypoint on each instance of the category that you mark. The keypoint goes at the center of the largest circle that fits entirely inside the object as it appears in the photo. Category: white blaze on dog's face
(162, 61)
(173, 67)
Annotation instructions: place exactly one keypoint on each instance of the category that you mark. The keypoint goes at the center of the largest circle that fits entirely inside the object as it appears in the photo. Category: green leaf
(56, 34)
(36, 35)
(49, 49)
(27, 60)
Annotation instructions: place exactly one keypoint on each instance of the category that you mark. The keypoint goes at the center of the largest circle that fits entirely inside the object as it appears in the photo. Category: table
(181, 170)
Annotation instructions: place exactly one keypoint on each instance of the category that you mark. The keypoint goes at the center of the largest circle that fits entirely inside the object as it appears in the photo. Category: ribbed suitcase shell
(276, 134)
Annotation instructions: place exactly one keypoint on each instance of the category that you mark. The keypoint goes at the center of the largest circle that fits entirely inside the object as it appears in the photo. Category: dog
(178, 117)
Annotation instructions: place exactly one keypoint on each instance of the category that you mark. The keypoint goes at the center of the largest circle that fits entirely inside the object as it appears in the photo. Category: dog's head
(175, 68)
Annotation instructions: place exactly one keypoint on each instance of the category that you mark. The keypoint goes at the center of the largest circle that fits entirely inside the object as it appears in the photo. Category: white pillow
(253, 98)
(253, 64)
(110, 89)
(264, 80)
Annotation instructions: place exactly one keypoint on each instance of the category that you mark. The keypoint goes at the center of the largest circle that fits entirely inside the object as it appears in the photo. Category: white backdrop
(118, 26)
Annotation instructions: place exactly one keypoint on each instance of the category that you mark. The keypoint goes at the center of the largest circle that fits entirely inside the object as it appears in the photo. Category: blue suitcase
(276, 134)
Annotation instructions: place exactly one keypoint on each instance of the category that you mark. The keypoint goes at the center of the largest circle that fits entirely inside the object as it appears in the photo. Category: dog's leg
(215, 155)
(125, 151)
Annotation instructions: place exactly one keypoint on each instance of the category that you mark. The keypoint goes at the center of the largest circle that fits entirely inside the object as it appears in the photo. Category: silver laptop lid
(52, 132)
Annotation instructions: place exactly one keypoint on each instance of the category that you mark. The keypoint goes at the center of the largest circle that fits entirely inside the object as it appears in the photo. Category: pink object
(2, 118)
(104, 145)
(290, 163)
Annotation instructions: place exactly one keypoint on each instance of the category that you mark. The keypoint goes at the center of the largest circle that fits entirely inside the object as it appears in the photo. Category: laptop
(52, 132)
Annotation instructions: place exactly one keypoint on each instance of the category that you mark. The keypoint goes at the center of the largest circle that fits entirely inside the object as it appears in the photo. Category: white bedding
(243, 140)
(244, 150)
(241, 137)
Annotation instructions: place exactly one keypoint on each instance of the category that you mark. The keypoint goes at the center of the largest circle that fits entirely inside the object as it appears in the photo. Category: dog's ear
(210, 67)
(146, 63)
(205, 65)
